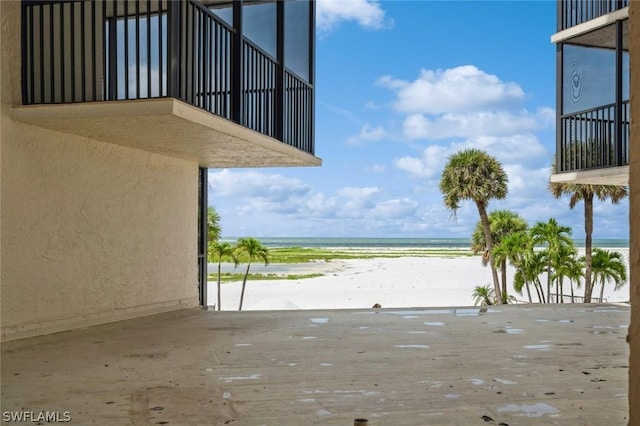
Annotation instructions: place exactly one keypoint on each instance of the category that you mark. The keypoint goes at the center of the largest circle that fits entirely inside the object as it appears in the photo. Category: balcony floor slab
(517, 365)
(170, 127)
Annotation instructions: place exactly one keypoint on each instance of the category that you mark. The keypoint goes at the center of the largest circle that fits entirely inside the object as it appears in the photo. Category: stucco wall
(634, 214)
(91, 232)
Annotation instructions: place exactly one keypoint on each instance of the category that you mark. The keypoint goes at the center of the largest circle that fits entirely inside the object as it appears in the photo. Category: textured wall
(91, 232)
(634, 214)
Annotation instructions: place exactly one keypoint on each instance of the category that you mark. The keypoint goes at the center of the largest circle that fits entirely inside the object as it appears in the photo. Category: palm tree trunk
(503, 267)
(588, 230)
(540, 291)
(602, 292)
(528, 292)
(572, 297)
(561, 294)
(484, 219)
(549, 278)
(219, 298)
(244, 283)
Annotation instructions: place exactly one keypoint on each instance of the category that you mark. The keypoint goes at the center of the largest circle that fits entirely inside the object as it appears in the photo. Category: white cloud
(227, 183)
(367, 13)
(398, 208)
(368, 134)
(461, 89)
(495, 123)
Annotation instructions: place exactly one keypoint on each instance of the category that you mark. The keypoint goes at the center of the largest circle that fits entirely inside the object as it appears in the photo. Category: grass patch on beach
(304, 254)
(229, 277)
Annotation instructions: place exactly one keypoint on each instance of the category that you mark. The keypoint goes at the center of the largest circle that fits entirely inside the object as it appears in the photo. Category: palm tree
(221, 250)
(586, 193)
(608, 266)
(514, 248)
(565, 265)
(472, 174)
(531, 266)
(483, 295)
(214, 230)
(502, 224)
(254, 250)
(553, 236)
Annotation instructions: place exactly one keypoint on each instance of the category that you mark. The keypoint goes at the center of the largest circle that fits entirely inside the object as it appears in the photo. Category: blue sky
(400, 86)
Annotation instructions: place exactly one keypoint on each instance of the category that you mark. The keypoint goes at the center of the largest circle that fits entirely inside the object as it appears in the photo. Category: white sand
(391, 282)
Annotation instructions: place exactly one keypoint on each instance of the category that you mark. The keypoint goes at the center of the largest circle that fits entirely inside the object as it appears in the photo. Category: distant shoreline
(400, 242)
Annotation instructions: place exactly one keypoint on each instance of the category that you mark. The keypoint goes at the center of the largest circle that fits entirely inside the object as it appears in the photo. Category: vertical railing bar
(51, 50)
(24, 70)
(32, 59)
(93, 51)
(160, 47)
(149, 46)
(83, 65)
(62, 54)
(125, 21)
(72, 17)
(192, 21)
(137, 11)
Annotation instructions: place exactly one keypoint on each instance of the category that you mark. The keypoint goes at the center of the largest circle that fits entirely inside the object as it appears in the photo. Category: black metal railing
(588, 138)
(574, 12)
(86, 51)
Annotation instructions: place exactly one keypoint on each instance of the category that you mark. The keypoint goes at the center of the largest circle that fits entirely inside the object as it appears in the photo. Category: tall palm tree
(514, 247)
(553, 237)
(581, 192)
(608, 266)
(254, 250)
(221, 250)
(472, 174)
(502, 224)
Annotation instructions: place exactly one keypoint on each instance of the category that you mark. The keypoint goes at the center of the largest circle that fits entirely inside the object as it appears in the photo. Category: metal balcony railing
(86, 51)
(588, 139)
(574, 12)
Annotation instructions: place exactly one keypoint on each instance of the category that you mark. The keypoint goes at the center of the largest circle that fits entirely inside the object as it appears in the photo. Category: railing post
(278, 132)
(237, 66)
(559, 15)
(618, 107)
(560, 145)
(113, 54)
(174, 20)
(312, 75)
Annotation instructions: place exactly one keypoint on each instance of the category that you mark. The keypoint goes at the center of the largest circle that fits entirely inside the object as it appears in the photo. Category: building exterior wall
(90, 232)
(634, 214)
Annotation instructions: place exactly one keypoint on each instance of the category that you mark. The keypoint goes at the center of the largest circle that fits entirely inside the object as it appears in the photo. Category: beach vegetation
(608, 266)
(587, 193)
(472, 174)
(502, 223)
(531, 267)
(214, 230)
(514, 248)
(556, 240)
(219, 251)
(483, 295)
(250, 249)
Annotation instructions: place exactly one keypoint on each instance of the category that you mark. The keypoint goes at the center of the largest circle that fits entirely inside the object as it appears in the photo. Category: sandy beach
(361, 283)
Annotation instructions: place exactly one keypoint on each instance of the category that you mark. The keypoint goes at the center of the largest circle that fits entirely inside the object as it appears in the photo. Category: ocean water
(272, 242)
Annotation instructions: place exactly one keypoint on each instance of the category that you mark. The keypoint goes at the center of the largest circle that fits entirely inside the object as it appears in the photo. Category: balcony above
(170, 127)
(586, 15)
(178, 78)
(618, 176)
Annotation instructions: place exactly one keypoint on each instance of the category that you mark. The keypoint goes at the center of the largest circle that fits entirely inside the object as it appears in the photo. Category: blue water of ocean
(272, 242)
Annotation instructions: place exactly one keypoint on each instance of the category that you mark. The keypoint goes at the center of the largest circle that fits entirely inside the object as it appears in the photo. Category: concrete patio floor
(515, 365)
